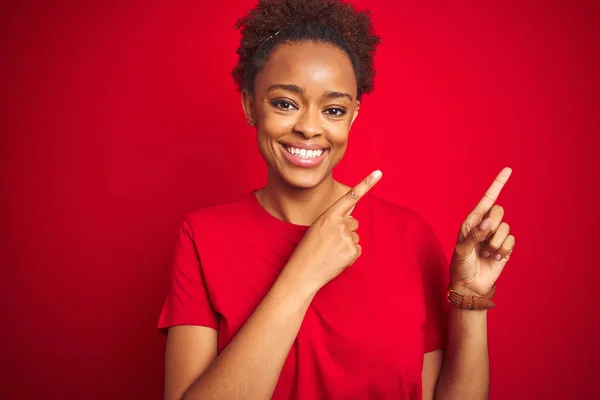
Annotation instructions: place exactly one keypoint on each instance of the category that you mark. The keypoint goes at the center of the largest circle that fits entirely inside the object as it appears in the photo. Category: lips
(304, 162)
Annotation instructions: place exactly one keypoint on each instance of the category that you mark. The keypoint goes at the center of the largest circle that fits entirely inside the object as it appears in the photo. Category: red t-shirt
(364, 334)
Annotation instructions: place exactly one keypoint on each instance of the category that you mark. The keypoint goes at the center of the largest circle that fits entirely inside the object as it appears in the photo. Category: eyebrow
(289, 88)
(329, 94)
(335, 95)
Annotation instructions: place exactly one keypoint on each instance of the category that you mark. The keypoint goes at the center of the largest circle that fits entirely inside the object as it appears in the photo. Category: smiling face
(304, 98)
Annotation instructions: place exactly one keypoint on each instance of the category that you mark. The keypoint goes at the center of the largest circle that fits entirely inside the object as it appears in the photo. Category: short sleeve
(187, 301)
(435, 275)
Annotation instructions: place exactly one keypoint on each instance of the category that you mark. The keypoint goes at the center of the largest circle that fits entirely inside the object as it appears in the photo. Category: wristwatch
(470, 302)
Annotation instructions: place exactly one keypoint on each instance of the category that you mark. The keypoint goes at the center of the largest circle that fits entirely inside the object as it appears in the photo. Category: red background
(119, 118)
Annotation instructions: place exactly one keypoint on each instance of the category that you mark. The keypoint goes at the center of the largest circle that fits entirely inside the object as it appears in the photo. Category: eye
(335, 112)
(283, 105)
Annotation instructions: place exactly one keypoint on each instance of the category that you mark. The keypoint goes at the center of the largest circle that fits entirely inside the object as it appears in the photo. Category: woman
(273, 296)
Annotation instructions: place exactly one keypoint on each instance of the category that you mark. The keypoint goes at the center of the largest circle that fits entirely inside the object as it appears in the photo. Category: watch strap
(470, 302)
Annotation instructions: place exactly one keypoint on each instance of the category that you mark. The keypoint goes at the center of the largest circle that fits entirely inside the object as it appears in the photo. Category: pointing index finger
(344, 205)
(491, 195)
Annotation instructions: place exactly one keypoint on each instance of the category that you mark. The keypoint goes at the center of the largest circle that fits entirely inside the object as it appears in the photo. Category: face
(304, 97)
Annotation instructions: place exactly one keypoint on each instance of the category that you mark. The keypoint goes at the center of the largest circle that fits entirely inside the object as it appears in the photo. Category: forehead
(312, 65)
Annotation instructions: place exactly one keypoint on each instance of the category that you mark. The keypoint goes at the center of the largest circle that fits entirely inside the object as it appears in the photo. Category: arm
(483, 248)
(250, 365)
(432, 365)
(463, 369)
(465, 372)
(190, 350)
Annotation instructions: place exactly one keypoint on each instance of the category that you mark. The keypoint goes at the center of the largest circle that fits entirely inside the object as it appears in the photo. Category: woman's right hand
(331, 243)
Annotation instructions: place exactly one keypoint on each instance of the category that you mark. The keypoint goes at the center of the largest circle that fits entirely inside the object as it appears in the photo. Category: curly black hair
(335, 22)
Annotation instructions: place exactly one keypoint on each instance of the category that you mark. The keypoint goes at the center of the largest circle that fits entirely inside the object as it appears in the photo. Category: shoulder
(214, 215)
(401, 216)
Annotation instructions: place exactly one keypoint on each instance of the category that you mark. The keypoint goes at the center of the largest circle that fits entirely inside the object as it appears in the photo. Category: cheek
(276, 125)
(270, 128)
(273, 124)
(338, 134)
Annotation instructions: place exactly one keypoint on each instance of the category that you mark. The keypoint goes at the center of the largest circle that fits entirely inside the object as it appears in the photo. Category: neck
(300, 206)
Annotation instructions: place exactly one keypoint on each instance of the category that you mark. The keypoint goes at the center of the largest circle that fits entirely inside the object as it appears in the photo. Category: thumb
(477, 235)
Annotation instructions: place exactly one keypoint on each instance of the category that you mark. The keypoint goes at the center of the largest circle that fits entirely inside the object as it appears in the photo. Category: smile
(302, 153)
(303, 157)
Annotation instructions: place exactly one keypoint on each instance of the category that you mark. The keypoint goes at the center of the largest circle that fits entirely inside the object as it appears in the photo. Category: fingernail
(377, 174)
(486, 253)
(498, 257)
(485, 224)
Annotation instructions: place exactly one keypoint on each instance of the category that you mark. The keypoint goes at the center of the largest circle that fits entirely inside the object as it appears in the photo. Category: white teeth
(303, 153)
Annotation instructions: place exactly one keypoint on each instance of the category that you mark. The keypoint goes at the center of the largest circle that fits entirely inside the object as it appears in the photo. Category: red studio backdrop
(117, 118)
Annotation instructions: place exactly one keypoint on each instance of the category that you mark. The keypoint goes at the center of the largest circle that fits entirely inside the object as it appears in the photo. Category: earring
(250, 122)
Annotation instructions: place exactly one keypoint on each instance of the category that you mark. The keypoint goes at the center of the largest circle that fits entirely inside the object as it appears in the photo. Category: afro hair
(335, 22)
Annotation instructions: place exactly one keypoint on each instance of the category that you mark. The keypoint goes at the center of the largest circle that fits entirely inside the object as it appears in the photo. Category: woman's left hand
(484, 245)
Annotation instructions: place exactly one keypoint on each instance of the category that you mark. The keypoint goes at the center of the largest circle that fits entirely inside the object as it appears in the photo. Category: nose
(308, 123)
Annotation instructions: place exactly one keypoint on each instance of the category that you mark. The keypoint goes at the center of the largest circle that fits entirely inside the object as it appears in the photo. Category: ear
(355, 112)
(248, 105)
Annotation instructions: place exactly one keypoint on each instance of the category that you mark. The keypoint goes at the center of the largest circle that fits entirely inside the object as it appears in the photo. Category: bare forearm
(465, 372)
(251, 363)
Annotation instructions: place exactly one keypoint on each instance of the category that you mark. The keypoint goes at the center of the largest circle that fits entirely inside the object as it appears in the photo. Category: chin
(303, 179)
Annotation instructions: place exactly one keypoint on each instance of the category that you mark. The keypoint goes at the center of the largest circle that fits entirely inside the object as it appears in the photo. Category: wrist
(463, 312)
(461, 297)
(469, 289)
